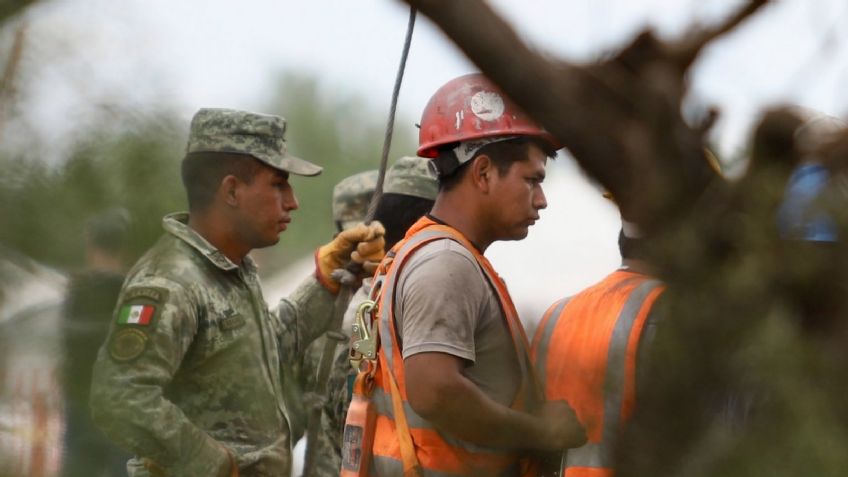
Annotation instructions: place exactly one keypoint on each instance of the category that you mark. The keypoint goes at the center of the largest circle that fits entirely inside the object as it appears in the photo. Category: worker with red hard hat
(451, 389)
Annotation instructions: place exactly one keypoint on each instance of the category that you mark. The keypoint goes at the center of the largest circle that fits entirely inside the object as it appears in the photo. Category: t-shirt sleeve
(441, 296)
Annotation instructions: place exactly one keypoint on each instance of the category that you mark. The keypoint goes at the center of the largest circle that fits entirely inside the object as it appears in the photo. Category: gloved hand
(362, 244)
(369, 254)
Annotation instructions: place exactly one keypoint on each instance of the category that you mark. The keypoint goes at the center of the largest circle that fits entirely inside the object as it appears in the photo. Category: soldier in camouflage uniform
(409, 192)
(189, 376)
(351, 197)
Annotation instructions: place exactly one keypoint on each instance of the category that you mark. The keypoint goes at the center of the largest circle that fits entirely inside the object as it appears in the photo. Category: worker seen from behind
(454, 390)
(586, 351)
(591, 350)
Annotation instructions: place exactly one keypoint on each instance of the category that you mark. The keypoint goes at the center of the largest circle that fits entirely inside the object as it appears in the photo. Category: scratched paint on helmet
(487, 105)
(460, 116)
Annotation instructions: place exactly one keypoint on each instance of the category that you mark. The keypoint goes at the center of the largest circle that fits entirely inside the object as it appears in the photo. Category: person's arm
(440, 393)
(302, 317)
(306, 314)
(442, 296)
(134, 366)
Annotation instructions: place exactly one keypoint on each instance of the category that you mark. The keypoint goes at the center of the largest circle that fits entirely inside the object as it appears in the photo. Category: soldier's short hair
(202, 173)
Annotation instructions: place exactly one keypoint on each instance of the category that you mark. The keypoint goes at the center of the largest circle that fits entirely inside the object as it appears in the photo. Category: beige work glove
(363, 244)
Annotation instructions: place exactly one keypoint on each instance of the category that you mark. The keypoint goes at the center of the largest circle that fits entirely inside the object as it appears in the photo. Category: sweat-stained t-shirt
(445, 304)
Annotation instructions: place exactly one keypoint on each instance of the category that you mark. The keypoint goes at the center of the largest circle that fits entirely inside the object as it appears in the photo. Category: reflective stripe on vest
(622, 330)
(438, 454)
(541, 348)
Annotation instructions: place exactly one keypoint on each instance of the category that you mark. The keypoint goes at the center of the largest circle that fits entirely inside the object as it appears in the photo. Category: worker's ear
(481, 172)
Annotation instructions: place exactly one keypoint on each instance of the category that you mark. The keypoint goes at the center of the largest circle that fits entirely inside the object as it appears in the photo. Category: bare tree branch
(621, 118)
(9, 8)
(7, 81)
(688, 49)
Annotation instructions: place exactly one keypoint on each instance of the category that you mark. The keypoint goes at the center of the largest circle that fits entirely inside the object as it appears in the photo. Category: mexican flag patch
(136, 314)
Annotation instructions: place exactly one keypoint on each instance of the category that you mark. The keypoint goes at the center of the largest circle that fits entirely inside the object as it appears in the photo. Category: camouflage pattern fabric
(259, 135)
(351, 197)
(408, 176)
(412, 176)
(191, 369)
(328, 445)
(333, 413)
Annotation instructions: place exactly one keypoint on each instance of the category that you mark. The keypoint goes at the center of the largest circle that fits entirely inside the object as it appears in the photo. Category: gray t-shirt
(445, 304)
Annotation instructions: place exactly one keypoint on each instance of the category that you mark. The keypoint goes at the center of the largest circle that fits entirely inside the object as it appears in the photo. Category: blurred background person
(409, 192)
(802, 216)
(91, 297)
(351, 197)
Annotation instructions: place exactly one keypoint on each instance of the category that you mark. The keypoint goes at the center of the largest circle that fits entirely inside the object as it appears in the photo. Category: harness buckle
(363, 345)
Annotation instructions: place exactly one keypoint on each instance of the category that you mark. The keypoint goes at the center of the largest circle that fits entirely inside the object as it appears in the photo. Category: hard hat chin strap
(446, 164)
(466, 150)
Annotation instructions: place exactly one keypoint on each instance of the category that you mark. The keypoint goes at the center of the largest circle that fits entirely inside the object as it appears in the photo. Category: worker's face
(517, 196)
(264, 207)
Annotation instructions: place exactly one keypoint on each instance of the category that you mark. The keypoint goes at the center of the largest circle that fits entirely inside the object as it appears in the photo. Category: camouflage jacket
(191, 368)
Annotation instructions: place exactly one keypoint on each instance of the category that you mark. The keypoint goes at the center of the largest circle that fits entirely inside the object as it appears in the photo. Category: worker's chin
(517, 234)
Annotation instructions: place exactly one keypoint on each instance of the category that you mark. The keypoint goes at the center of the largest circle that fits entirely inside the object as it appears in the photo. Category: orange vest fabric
(585, 353)
(439, 455)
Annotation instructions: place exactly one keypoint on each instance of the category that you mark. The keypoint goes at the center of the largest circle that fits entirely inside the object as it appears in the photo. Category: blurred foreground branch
(7, 81)
(8, 8)
(749, 356)
(620, 118)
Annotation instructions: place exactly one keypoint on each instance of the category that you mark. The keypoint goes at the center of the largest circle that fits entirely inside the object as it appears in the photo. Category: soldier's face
(265, 206)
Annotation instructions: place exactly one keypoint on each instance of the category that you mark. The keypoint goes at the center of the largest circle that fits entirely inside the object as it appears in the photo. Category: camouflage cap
(259, 135)
(412, 176)
(351, 197)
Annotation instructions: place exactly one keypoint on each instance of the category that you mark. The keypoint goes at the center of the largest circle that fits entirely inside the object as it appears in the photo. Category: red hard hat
(472, 107)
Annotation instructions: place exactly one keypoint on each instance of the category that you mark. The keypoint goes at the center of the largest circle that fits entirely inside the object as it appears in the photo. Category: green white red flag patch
(136, 314)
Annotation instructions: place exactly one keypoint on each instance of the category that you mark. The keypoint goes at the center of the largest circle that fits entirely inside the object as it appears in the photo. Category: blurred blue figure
(798, 216)
(801, 215)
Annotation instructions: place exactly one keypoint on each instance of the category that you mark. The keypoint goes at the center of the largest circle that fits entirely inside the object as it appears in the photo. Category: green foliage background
(343, 134)
(136, 166)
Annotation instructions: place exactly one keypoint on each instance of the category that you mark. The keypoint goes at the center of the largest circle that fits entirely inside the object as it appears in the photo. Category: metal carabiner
(364, 342)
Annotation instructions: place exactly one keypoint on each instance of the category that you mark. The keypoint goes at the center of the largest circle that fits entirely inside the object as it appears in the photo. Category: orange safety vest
(585, 353)
(437, 454)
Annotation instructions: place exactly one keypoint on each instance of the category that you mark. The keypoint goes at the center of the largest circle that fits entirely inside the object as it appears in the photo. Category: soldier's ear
(229, 190)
